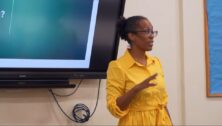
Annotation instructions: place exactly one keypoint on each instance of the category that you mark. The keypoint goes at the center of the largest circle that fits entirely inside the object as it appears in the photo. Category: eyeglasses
(148, 32)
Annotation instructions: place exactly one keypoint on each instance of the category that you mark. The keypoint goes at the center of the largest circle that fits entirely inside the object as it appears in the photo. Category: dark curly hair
(128, 25)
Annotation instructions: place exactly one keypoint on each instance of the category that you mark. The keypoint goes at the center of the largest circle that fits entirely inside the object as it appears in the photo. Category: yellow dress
(148, 107)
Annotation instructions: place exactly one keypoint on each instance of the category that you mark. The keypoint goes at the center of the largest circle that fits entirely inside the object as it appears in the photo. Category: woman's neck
(139, 56)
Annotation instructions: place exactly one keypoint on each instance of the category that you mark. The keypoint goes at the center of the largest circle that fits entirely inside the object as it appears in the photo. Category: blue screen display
(47, 33)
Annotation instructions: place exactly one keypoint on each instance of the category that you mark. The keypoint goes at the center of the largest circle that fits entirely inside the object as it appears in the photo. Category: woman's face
(143, 37)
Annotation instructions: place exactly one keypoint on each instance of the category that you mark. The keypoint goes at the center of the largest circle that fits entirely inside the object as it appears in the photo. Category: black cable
(66, 95)
(97, 98)
(81, 112)
(50, 90)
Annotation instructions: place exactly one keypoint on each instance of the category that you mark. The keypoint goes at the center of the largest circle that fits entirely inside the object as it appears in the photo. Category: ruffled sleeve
(115, 87)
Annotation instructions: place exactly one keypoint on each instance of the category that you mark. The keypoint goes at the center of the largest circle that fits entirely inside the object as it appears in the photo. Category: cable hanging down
(80, 112)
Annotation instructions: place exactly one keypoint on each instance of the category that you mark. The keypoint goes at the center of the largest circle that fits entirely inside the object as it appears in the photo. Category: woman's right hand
(147, 82)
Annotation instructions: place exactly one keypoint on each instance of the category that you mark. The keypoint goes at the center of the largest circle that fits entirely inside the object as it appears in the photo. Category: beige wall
(179, 45)
(200, 110)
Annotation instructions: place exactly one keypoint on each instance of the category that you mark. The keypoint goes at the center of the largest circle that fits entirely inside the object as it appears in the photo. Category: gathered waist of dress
(147, 108)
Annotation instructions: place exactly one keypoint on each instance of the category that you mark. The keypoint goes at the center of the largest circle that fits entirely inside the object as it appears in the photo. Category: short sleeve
(115, 87)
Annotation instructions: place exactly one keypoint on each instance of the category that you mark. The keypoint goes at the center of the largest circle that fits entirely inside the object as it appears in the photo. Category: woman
(136, 92)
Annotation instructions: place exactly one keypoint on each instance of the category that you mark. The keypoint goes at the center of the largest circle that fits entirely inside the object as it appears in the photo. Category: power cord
(81, 112)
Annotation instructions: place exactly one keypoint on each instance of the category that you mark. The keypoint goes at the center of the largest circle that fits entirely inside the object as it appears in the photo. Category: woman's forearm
(124, 100)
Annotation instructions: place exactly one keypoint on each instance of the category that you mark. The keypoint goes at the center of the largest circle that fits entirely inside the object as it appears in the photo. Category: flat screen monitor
(44, 43)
